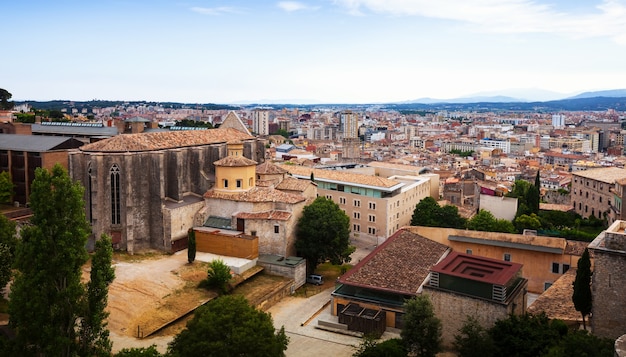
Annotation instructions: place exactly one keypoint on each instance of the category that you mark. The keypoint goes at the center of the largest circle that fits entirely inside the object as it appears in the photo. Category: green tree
(284, 133)
(191, 245)
(485, 221)
(4, 100)
(6, 187)
(422, 329)
(582, 287)
(323, 233)
(139, 352)
(527, 335)
(426, 213)
(390, 348)
(473, 340)
(524, 221)
(580, 343)
(47, 293)
(8, 244)
(94, 336)
(229, 326)
(218, 275)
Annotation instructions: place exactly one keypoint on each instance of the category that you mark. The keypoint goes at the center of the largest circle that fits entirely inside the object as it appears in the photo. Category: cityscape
(313, 178)
(241, 178)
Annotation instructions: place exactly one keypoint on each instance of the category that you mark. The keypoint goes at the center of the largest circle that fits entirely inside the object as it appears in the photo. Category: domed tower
(234, 173)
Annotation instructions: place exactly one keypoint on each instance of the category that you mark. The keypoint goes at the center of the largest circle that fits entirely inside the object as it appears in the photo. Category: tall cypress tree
(582, 287)
(191, 245)
(46, 298)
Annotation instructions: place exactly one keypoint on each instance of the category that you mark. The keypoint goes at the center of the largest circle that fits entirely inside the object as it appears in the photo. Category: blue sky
(331, 51)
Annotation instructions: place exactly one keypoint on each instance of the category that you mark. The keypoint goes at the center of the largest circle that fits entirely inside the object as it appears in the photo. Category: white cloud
(291, 6)
(507, 16)
(215, 10)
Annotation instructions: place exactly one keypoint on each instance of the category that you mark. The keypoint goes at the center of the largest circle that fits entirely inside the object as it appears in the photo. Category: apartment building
(260, 121)
(593, 191)
(377, 206)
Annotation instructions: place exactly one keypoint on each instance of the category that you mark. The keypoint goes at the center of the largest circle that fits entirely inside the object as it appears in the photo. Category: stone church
(145, 189)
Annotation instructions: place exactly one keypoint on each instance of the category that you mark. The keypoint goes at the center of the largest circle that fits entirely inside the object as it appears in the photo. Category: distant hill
(477, 99)
(613, 93)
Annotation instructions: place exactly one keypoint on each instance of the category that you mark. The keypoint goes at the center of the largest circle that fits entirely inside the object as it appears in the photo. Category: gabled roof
(165, 140)
(400, 265)
(37, 143)
(233, 121)
(267, 168)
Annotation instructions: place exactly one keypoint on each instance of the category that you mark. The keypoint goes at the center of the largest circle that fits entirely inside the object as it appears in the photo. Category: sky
(313, 51)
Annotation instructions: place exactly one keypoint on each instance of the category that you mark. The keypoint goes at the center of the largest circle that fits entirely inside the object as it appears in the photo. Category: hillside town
(240, 179)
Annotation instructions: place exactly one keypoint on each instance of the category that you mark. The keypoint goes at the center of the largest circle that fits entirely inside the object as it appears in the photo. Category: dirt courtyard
(151, 290)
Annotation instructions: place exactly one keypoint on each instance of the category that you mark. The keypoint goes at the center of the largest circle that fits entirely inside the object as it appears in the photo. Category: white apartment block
(261, 121)
(503, 145)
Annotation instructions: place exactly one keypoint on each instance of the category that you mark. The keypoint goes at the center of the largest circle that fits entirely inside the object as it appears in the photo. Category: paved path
(300, 315)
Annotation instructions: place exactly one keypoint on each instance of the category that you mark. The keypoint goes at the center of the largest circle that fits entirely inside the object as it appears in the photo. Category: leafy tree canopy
(4, 100)
(229, 326)
(218, 275)
(428, 213)
(323, 233)
(473, 340)
(390, 348)
(6, 187)
(485, 221)
(422, 329)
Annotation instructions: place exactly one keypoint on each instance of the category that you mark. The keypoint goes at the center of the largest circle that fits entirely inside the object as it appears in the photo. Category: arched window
(115, 195)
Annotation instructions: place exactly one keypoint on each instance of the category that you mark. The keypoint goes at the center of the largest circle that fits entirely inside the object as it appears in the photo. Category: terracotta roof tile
(556, 302)
(164, 140)
(235, 161)
(604, 174)
(575, 247)
(400, 264)
(256, 194)
(268, 168)
(293, 184)
(270, 215)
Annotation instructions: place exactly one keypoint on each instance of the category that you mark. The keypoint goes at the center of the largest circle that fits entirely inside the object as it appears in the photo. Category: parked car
(315, 279)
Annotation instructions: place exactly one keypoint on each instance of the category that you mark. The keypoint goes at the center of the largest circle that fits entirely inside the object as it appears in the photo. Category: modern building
(261, 121)
(545, 259)
(381, 282)
(21, 155)
(464, 285)
(351, 148)
(377, 206)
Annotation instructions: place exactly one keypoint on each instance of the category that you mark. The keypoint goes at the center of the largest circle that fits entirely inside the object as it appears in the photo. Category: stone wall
(452, 309)
(609, 294)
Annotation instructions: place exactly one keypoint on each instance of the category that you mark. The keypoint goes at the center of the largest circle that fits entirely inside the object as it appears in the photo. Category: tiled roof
(604, 174)
(341, 176)
(256, 194)
(576, 248)
(400, 264)
(415, 169)
(556, 302)
(270, 215)
(235, 161)
(165, 140)
(268, 168)
(293, 184)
